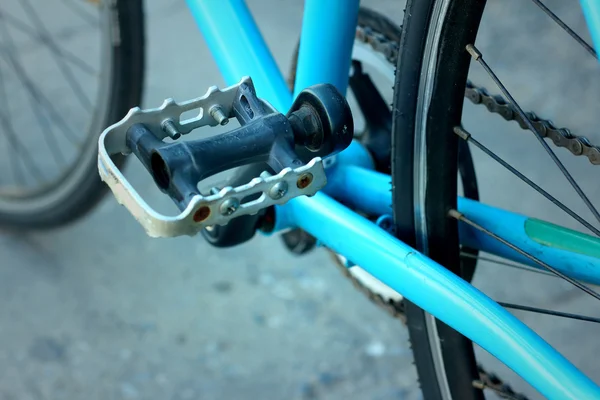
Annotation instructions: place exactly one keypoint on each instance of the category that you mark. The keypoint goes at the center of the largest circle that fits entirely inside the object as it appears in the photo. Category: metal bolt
(229, 206)
(214, 190)
(278, 190)
(304, 181)
(217, 113)
(171, 130)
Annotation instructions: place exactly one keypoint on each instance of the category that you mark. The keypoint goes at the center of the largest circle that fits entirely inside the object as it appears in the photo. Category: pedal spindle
(318, 124)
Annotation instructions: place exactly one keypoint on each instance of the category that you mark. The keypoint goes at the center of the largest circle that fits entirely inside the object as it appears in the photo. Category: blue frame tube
(239, 49)
(439, 292)
(369, 191)
(326, 42)
(591, 11)
(511, 226)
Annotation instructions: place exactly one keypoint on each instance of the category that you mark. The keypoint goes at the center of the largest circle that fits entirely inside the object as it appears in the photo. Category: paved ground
(99, 311)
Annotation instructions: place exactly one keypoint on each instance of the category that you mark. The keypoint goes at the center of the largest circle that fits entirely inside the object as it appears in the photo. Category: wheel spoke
(36, 36)
(506, 264)
(44, 124)
(460, 217)
(33, 91)
(566, 28)
(19, 148)
(65, 70)
(50, 139)
(7, 123)
(13, 140)
(463, 134)
(476, 54)
(549, 312)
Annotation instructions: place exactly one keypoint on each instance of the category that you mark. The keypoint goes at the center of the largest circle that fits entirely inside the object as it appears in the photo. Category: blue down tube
(440, 293)
(239, 50)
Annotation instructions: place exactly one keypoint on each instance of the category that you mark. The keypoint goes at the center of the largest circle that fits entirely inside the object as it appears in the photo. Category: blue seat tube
(328, 30)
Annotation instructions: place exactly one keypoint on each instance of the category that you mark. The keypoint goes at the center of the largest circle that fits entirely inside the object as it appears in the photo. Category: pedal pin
(171, 130)
(217, 113)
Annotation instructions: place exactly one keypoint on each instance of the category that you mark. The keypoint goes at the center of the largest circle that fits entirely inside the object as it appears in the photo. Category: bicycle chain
(394, 308)
(496, 104)
(561, 137)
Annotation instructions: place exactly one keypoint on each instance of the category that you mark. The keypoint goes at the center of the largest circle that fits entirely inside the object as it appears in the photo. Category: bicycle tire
(80, 190)
(428, 97)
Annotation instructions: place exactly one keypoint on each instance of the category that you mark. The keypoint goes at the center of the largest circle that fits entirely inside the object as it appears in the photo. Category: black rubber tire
(426, 225)
(125, 92)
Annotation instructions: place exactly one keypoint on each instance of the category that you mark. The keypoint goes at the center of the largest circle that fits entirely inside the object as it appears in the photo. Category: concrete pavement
(97, 310)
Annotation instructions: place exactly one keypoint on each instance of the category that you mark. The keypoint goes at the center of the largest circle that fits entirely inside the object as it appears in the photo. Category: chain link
(561, 137)
(394, 308)
(496, 104)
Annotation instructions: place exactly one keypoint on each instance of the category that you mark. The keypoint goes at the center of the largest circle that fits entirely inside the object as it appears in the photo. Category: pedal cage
(291, 146)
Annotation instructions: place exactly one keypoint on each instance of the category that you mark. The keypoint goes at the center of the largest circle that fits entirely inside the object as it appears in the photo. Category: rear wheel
(429, 90)
(67, 80)
(435, 50)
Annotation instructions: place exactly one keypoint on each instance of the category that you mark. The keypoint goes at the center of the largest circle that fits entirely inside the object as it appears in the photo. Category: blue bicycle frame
(326, 44)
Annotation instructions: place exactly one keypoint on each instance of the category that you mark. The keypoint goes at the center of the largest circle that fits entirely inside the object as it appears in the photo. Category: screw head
(278, 190)
(229, 206)
(304, 180)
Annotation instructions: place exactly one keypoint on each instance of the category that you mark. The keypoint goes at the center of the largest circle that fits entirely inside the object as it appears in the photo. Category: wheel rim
(27, 198)
(420, 177)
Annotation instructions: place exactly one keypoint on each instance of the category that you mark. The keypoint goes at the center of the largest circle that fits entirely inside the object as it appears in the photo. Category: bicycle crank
(291, 148)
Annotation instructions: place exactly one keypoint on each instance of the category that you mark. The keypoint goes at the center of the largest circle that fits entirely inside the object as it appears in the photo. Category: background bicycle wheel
(98, 310)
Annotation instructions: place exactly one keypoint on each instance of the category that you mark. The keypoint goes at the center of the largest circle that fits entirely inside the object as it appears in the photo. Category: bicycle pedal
(318, 124)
